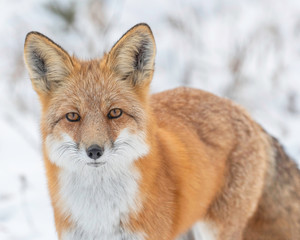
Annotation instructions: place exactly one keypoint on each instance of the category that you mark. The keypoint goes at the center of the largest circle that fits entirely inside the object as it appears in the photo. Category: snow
(246, 50)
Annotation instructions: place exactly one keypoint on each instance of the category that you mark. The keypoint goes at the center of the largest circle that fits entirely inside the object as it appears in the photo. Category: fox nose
(94, 151)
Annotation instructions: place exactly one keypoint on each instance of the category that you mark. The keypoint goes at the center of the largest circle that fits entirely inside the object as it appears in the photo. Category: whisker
(70, 147)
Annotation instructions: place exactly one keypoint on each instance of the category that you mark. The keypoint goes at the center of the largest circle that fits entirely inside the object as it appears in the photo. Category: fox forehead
(89, 83)
(91, 91)
(91, 87)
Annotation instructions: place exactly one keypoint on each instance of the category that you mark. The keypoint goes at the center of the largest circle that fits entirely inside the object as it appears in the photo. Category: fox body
(181, 164)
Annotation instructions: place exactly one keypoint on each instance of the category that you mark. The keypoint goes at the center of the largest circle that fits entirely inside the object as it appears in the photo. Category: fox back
(181, 164)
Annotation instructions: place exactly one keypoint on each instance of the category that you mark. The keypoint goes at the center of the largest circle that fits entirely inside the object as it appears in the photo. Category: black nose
(94, 151)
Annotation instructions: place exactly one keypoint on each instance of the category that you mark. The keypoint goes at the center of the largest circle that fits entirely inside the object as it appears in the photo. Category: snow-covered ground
(246, 50)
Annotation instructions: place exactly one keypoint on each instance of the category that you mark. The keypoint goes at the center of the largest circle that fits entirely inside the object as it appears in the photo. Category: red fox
(182, 164)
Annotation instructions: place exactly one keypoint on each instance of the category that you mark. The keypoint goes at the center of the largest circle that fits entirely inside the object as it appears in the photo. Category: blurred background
(246, 50)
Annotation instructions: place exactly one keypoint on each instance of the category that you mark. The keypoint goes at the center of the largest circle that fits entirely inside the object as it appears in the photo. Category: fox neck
(98, 204)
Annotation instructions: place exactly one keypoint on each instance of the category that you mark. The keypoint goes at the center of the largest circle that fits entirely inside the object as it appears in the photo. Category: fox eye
(72, 117)
(115, 113)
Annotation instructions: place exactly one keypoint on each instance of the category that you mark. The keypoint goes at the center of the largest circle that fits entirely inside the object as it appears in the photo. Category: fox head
(94, 113)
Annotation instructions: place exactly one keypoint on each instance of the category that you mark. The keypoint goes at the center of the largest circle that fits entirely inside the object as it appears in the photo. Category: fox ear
(47, 63)
(132, 57)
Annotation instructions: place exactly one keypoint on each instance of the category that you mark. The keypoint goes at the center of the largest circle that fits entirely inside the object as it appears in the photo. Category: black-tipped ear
(132, 57)
(47, 63)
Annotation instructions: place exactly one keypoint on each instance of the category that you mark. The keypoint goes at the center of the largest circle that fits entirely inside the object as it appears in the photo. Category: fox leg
(188, 236)
(244, 182)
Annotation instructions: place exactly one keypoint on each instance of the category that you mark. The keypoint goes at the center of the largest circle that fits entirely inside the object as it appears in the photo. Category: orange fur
(208, 160)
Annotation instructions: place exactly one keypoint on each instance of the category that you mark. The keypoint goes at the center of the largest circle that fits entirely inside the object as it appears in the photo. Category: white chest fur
(97, 200)
(96, 204)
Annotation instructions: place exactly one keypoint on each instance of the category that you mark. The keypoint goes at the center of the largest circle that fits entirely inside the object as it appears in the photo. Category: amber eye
(114, 113)
(72, 117)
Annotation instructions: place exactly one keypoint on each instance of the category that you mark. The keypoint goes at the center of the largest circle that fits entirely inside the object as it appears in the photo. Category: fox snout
(94, 151)
(66, 152)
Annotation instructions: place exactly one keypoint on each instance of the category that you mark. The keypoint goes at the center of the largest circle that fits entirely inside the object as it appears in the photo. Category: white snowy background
(246, 50)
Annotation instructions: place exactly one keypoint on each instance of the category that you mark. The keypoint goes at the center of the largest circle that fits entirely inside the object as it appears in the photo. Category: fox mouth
(96, 164)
